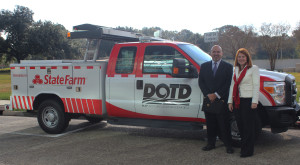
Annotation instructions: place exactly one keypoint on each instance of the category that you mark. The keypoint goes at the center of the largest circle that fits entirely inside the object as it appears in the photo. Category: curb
(19, 113)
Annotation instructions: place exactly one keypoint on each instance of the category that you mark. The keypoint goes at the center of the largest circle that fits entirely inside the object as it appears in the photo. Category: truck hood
(277, 76)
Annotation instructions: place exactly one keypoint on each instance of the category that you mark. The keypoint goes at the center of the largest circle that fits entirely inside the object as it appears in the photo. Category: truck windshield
(195, 53)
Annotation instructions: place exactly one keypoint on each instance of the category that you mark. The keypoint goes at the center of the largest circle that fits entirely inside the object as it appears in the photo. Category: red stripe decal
(97, 106)
(90, 106)
(119, 112)
(53, 67)
(79, 105)
(24, 101)
(29, 103)
(16, 102)
(32, 99)
(82, 105)
(42, 67)
(262, 90)
(20, 101)
(85, 107)
(22, 67)
(32, 67)
(65, 104)
(65, 67)
(124, 75)
(12, 67)
(77, 67)
(12, 102)
(268, 96)
(75, 105)
(89, 67)
(154, 75)
(69, 103)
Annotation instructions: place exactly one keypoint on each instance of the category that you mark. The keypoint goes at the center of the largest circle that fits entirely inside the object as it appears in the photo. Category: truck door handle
(139, 84)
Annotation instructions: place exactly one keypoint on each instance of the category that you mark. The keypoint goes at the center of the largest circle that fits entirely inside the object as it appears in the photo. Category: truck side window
(159, 59)
(125, 61)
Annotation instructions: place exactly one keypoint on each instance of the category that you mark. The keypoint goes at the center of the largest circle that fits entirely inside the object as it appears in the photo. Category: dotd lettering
(183, 91)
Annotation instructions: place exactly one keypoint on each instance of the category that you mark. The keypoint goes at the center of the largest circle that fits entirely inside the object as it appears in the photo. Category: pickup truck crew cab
(147, 83)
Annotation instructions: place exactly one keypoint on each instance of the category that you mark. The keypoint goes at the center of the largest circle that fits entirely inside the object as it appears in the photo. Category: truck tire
(94, 120)
(1, 112)
(52, 118)
(235, 133)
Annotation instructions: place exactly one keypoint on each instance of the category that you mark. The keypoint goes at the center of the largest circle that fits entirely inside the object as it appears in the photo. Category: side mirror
(180, 70)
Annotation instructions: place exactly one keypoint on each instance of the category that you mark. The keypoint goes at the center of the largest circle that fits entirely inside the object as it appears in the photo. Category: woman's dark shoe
(229, 150)
(246, 155)
(208, 148)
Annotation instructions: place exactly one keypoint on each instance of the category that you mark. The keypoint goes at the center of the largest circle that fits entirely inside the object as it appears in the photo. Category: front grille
(290, 90)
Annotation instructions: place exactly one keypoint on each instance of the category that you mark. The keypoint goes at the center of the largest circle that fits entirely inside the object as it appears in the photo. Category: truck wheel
(1, 112)
(94, 119)
(235, 133)
(52, 118)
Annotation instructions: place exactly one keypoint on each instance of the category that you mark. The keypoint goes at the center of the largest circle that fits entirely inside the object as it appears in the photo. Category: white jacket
(249, 86)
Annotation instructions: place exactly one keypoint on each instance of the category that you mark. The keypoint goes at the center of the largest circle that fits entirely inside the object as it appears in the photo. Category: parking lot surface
(23, 142)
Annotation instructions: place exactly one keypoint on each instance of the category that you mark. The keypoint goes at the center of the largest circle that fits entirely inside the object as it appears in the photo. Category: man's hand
(212, 97)
(230, 107)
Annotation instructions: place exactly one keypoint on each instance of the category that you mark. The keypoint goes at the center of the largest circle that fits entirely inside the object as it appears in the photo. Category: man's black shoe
(246, 155)
(208, 148)
(229, 150)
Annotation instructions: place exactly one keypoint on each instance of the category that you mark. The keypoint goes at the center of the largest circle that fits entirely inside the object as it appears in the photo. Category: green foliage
(26, 39)
(48, 41)
(15, 25)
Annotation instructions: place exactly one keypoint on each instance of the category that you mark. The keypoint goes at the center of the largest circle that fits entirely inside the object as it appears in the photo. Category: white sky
(199, 16)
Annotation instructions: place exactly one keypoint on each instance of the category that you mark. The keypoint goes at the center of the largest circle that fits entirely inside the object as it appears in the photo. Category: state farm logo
(37, 80)
(59, 80)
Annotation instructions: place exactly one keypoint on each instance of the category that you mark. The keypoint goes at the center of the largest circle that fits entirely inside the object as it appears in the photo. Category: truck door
(159, 95)
(121, 81)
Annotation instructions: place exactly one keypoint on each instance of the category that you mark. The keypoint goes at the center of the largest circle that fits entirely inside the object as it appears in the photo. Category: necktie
(215, 68)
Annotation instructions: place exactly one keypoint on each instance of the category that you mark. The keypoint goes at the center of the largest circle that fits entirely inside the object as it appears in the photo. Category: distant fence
(286, 65)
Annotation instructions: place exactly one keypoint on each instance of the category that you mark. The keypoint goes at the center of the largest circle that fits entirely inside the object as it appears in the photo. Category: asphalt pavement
(22, 141)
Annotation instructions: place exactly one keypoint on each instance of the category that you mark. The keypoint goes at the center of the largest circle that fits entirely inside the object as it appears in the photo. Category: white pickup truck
(144, 82)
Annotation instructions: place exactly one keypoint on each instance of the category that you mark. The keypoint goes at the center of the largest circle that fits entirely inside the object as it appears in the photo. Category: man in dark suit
(214, 81)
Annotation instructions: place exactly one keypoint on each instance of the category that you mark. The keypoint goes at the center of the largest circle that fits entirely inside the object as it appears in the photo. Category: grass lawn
(297, 76)
(5, 88)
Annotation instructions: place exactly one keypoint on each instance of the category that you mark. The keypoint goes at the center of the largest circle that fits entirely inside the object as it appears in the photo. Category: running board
(181, 125)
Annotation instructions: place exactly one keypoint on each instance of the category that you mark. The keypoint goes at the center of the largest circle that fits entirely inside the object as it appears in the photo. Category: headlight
(276, 90)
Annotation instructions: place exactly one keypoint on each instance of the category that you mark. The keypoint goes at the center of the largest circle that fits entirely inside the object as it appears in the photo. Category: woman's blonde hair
(247, 54)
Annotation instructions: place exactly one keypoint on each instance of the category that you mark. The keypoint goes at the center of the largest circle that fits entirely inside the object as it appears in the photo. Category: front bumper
(283, 116)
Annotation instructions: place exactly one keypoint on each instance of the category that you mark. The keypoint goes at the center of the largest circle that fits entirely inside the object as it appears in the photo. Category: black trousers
(245, 117)
(218, 125)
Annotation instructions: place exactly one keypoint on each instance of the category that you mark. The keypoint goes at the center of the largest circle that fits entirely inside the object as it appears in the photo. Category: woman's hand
(253, 105)
(230, 107)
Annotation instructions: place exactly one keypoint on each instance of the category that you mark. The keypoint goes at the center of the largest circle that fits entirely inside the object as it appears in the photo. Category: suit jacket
(249, 86)
(219, 83)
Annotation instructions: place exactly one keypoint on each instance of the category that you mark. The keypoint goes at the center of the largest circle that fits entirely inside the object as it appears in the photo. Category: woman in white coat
(243, 99)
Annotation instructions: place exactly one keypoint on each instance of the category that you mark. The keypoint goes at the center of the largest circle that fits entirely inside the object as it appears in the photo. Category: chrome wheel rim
(50, 117)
